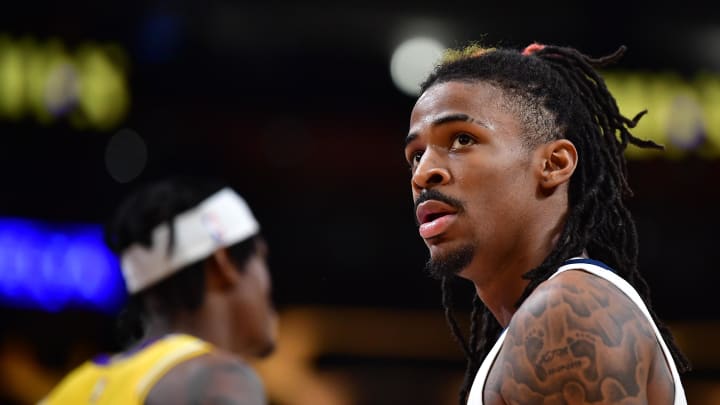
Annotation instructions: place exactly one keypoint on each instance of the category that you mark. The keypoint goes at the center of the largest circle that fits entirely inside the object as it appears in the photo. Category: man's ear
(558, 162)
(220, 270)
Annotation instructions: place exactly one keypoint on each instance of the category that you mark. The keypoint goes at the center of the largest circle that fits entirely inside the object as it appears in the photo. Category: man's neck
(185, 323)
(501, 294)
(209, 323)
(500, 285)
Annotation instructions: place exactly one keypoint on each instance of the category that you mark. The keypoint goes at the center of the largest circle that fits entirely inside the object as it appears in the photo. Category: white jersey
(602, 271)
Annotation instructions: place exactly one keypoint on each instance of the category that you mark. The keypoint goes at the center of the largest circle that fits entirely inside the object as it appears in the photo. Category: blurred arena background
(303, 107)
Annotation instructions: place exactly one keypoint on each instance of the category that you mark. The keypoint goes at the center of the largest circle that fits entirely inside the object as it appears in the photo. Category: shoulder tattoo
(583, 343)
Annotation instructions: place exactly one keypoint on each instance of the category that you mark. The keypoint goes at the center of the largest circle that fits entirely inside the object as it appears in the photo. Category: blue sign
(52, 267)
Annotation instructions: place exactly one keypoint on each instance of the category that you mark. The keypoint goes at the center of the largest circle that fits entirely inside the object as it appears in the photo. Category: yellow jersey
(127, 378)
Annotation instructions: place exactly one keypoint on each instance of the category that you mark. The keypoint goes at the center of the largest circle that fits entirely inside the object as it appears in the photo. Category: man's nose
(430, 172)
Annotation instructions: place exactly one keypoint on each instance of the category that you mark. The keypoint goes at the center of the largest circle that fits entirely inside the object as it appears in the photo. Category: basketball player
(519, 183)
(195, 267)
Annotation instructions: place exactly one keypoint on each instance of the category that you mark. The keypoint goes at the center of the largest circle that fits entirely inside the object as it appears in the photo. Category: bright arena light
(412, 61)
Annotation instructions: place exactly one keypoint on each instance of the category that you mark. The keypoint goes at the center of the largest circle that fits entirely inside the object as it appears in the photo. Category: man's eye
(463, 140)
(416, 156)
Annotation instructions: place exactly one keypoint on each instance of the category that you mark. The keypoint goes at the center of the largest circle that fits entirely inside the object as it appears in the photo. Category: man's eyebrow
(457, 117)
(411, 137)
(447, 119)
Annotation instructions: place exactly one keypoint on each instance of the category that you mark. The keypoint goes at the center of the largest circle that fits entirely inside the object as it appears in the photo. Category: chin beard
(451, 263)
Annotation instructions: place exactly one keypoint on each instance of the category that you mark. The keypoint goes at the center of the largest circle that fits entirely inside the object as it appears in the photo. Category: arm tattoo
(575, 344)
(227, 383)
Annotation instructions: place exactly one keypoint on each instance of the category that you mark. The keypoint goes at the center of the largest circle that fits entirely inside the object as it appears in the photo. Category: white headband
(221, 220)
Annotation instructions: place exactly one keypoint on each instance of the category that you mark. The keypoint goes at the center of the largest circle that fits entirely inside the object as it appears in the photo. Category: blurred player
(195, 267)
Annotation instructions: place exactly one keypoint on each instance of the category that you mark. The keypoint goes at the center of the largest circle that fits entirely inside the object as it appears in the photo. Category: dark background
(292, 103)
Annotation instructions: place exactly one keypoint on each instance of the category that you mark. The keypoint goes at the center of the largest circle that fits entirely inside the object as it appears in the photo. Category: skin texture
(237, 317)
(577, 339)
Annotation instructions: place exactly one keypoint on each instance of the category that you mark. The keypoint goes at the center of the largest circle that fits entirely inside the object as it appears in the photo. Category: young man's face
(256, 319)
(471, 175)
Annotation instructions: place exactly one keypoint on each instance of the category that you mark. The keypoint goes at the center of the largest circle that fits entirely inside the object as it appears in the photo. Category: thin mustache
(436, 195)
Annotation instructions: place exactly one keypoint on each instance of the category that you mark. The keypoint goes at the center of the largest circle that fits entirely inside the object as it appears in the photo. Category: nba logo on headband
(221, 220)
(213, 226)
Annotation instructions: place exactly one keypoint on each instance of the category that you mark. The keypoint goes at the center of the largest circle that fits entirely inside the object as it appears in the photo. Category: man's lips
(434, 217)
(433, 209)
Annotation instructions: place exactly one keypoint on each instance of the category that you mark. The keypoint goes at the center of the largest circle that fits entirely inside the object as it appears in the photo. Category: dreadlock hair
(134, 221)
(557, 93)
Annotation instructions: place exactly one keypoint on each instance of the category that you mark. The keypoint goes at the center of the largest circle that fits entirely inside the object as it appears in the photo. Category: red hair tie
(532, 48)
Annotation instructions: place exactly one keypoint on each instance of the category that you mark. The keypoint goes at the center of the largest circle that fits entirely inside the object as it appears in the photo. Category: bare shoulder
(211, 379)
(578, 340)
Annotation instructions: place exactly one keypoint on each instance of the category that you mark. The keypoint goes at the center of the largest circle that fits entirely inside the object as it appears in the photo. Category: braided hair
(557, 93)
